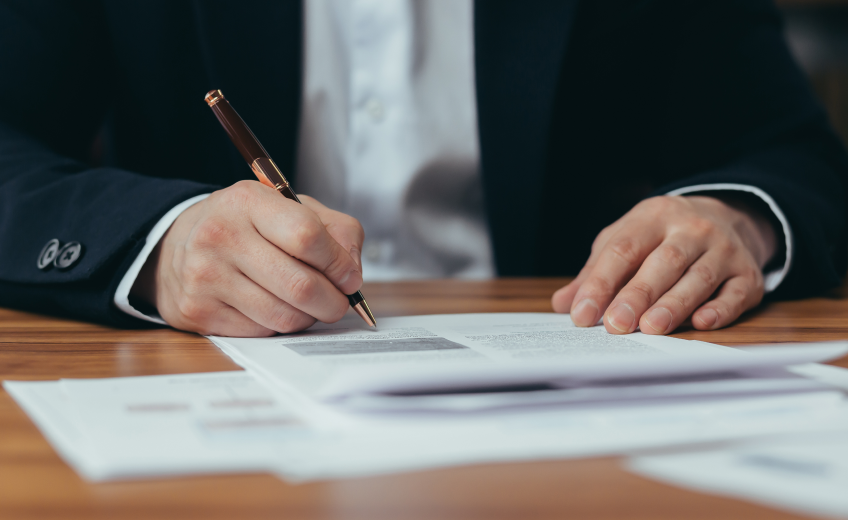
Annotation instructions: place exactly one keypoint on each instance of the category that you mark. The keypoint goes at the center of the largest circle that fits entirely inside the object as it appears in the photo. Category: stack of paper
(804, 473)
(341, 400)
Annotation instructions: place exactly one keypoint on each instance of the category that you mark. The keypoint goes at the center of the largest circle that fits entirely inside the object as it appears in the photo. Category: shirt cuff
(122, 294)
(771, 279)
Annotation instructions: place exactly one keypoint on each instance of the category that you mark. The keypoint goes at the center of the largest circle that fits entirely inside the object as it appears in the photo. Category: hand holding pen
(266, 171)
(247, 261)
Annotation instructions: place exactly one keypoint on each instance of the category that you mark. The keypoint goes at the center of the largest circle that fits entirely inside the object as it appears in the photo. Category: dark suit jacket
(584, 109)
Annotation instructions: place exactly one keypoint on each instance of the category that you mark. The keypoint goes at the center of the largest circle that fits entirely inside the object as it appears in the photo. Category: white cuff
(122, 295)
(772, 279)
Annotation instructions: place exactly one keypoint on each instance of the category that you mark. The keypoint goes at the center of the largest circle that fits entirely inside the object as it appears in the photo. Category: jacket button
(48, 254)
(68, 255)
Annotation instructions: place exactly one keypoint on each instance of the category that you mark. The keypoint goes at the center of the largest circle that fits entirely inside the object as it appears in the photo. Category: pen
(267, 171)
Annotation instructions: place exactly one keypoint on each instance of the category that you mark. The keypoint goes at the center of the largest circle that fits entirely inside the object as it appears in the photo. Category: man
(511, 138)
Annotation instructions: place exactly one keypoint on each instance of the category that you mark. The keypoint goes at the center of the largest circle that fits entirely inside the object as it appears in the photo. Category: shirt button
(68, 255)
(48, 254)
(375, 109)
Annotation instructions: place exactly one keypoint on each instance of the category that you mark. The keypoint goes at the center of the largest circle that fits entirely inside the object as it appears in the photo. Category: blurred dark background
(817, 31)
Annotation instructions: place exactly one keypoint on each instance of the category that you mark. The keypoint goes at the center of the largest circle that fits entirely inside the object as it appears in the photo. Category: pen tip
(365, 313)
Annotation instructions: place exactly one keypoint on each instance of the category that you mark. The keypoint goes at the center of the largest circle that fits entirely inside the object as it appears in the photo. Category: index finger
(618, 261)
(346, 230)
(299, 231)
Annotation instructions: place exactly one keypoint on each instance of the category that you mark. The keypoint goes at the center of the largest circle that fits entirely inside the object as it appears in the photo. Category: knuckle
(704, 273)
(753, 274)
(735, 305)
(237, 196)
(307, 235)
(287, 320)
(701, 227)
(660, 205)
(598, 285)
(674, 256)
(356, 228)
(627, 249)
(243, 191)
(728, 248)
(199, 273)
(211, 233)
(755, 283)
(302, 288)
(643, 291)
(755, 298)
(192, 310)
(759, 285)
(724, 310)
(339, 264)
(602, 235)
(738, 295)
(677, 303)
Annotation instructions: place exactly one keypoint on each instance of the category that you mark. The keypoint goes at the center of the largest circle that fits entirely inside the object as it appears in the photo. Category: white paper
(180, 424)
(563, 433)
(163, 425)
(46, 403)
(805, 474)
(808, 474)
(455, 352)
(268, 419)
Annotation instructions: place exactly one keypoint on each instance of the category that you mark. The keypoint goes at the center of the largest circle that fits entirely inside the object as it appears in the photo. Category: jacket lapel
(252, 52)
(519, 48)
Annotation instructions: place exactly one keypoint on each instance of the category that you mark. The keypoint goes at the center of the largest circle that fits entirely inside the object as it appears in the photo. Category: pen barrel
(240, 134)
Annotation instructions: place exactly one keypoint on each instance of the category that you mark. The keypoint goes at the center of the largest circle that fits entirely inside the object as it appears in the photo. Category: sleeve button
(68, 255)
(48, 254)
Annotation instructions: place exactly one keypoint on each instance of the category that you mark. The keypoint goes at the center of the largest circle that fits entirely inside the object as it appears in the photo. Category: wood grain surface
(35, 483)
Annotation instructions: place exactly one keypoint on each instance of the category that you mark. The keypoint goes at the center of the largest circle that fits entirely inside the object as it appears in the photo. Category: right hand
(249, 262)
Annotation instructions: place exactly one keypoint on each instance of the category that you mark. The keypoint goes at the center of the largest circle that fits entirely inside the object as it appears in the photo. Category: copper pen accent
(267, 171)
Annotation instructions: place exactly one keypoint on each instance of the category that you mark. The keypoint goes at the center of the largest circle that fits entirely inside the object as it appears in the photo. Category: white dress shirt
(388, 134)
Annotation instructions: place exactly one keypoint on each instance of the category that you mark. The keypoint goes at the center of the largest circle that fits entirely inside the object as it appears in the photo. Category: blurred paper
(228, 422)
(47, 405)
(805, 474)
(599, 395)
(556, 433)
(161, 425)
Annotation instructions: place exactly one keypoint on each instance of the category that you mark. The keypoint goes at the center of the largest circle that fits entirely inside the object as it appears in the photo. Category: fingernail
(708, 317)
(356, 254)
(585, 314)
(659, 319)
(622, 318)
(345, 278)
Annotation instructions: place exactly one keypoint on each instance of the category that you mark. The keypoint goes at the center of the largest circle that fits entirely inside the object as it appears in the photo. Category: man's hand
(249, 262)
(670, 258)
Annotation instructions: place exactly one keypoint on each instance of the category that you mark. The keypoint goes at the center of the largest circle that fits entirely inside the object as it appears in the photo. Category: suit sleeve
(57, 70)
(739, 106)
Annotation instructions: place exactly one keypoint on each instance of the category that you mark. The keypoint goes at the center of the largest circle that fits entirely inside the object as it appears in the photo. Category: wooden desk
(35, 483)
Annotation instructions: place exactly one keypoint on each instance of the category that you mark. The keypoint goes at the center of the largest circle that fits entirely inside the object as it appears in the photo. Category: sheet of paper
(455, 352)
(181, 424)
(46, 403)
(163, 425)
(563, 433)
(804, 474)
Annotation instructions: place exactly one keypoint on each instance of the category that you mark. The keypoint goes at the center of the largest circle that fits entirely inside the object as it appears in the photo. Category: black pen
(267, 171)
